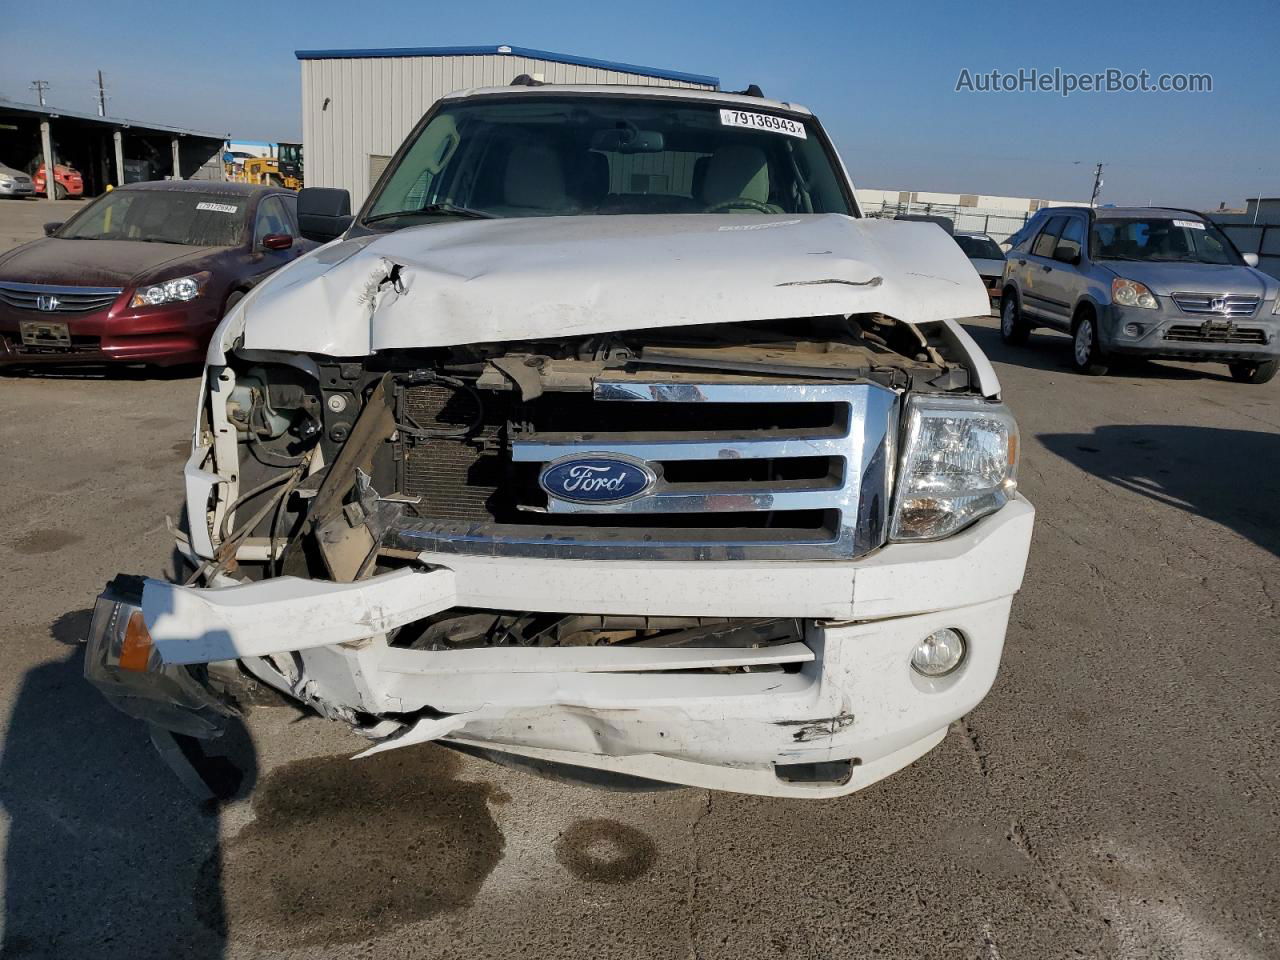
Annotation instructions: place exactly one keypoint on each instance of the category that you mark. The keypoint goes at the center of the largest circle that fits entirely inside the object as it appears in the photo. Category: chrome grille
(46, 298)
(1218, 304)
(744, 470)
(1214, 332)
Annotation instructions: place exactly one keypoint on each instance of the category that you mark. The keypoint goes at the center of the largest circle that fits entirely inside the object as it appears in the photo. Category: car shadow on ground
(1231, 477)
(105, 849)
(1051, 351)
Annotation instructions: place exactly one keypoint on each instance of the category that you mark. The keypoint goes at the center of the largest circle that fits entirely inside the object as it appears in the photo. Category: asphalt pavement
(1116, 795)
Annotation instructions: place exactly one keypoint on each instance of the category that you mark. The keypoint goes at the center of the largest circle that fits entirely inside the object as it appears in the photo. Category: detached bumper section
(833, 709)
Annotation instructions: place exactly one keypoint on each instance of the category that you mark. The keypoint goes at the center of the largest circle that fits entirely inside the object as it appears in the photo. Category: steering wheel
(740, 202)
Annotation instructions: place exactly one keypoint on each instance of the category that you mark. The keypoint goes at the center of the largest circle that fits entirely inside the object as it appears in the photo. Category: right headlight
(959, 463)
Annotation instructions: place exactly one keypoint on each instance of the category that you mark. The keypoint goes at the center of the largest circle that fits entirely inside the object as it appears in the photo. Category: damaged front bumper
(834, 709)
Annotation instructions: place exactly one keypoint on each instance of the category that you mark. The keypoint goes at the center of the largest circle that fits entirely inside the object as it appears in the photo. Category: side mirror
(1250, 258)
(277, 241)
(51, 228)
(324, 213)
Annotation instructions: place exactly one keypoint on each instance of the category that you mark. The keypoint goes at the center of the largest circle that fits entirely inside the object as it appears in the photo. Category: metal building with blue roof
(358, 105)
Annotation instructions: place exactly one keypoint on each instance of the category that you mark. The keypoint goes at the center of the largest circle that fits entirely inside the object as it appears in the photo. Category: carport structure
(106, 150)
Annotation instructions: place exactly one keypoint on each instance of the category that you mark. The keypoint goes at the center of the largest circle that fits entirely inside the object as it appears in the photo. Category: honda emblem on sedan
(597, 479)
(1218, 304)
(47, 303)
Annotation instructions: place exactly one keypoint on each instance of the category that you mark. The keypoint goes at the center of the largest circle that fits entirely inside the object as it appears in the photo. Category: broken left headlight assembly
(959, 463)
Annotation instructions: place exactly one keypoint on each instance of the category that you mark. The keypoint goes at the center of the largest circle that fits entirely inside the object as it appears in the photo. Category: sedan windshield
(532, 156)
(163, 216)
(1160, 239)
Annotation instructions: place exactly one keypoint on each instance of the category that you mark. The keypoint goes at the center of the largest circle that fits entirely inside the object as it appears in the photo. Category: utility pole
(40, 86)
(1097, 185)
(102, 97)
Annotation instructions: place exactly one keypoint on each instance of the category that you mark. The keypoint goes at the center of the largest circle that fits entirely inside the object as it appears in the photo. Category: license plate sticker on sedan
(762, 121)
(41, 333)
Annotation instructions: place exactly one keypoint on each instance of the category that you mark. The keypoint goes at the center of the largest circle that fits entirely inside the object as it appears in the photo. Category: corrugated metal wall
(358, 108)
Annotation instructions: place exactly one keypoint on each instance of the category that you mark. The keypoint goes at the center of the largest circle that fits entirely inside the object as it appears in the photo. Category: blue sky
(881, 76)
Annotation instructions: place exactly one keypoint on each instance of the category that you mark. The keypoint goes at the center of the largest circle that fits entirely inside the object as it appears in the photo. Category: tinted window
(163, 216)
(1044, 244)
(271, 219)
(290, 202)
(564, 156)
(1071, 241)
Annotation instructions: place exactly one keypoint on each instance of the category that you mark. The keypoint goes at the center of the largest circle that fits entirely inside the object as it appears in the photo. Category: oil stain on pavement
(45, 541)
(343, 850)
(605, 851)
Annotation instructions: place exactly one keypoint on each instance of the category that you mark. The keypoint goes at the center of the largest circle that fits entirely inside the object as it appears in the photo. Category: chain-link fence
(998, 224)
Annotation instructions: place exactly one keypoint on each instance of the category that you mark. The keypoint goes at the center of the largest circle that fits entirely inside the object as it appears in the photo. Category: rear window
(1043, 247)
(163, 216)
(980, 248)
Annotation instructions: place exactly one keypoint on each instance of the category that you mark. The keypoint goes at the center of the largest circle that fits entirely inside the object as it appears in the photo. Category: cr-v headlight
(959, 462)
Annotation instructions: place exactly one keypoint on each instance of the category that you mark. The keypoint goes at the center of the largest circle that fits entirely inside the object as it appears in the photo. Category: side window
(1070, 242)
(271, 219)
(1043, 247)
(291, 208)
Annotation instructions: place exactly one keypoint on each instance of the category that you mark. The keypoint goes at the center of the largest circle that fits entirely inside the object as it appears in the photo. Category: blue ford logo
(599, 479)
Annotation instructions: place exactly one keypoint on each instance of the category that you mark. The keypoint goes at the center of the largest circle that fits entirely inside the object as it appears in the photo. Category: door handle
(1022, 263)
(1046, 269)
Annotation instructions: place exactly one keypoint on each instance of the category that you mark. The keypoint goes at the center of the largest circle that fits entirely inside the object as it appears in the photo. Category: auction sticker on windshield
(762, 121)
(1193, 224)
(218, 207)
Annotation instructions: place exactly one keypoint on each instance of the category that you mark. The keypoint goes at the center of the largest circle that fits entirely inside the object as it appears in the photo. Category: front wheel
(1086, 354)
(1014, 329)
(59, 192)
(1251, 372)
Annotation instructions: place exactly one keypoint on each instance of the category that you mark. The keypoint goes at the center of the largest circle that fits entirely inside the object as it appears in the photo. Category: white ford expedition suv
(608, 439)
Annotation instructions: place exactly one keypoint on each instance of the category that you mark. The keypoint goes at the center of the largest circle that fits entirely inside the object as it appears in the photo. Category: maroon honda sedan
(144, 273)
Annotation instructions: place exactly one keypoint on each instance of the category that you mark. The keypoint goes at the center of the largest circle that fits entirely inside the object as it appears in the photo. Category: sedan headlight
(171, 291)
(959, 462)
(1131, 293)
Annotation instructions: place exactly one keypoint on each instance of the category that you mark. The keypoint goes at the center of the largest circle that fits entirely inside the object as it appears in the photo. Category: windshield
(568, 156)
(1161, 239)
(980, 248)
(162, 216)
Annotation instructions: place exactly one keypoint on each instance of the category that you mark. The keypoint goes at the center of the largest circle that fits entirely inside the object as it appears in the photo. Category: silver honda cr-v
(1149, 281)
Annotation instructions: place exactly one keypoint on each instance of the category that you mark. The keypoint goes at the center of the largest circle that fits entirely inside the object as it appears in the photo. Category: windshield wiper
(435, 209)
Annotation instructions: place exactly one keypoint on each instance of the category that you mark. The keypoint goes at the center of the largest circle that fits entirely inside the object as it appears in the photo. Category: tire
(235, 297)
(1250, 372)
(59, 191)
(1086, 354)
(1014, 329)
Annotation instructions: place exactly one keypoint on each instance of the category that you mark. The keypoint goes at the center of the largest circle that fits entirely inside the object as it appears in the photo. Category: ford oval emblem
(600, 478)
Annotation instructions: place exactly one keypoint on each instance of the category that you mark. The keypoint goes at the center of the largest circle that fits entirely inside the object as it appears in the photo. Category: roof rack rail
(525, 80)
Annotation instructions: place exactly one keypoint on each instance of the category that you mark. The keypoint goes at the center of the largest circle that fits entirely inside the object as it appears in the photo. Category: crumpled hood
(478, 281)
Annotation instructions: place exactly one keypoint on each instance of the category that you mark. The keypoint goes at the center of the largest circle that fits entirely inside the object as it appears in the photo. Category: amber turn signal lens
(136, 649)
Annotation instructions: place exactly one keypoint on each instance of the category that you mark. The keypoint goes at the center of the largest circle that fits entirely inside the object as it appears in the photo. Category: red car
(144, 273)
(67, 181)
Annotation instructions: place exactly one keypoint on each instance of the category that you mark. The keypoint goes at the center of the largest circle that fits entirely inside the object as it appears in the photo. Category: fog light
(939, 653)
(1132, 329)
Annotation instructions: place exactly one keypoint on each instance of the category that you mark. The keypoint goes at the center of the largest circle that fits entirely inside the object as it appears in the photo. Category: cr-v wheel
(1250, 371)
(1013, 328)
(1086, 354)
